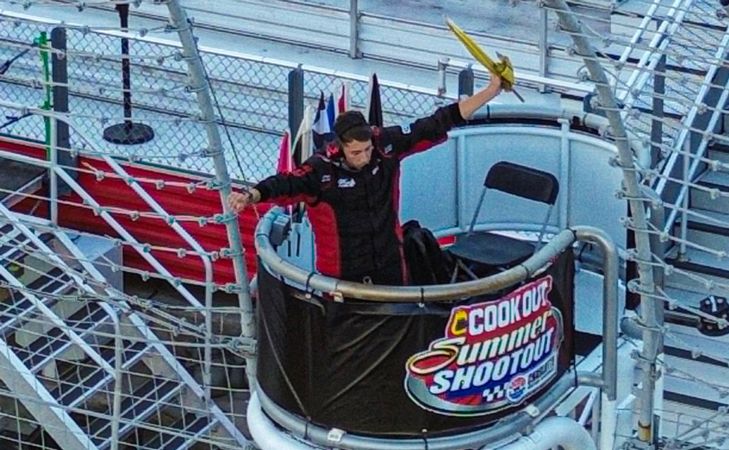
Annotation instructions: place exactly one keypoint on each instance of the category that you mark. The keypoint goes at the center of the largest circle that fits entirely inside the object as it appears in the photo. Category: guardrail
(342, 290)
(360, 33)
(250, 92)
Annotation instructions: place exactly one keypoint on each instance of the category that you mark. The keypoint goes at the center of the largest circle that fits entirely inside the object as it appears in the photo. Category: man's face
(357, 154)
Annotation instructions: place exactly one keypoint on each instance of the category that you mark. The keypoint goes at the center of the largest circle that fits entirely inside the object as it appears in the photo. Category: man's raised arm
(469, 105)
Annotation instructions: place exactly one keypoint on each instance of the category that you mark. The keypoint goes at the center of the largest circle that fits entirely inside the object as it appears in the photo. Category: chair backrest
(521, 181)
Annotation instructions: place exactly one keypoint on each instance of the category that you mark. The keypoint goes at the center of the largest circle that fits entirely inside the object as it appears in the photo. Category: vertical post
(49, 128)
(128, 132)
(42, 42)
(59, 74)
(442, 66)
(659, 89)
(296, 109)
(354, 29)
(685, 174)
(299, 150)
(564, 172)
(609, 329)
(207, 372)
(465, 82)
(643, 255)
(118, 381)
(199, 85)
(657, 220)
(543, 47)
(123, 9)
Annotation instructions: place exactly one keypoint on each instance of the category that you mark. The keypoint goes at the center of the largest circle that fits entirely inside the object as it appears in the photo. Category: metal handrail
(680, 142)
(658, 43)
(47, 312)
(156, 207)
(517, 423)
(341, 290)
(76, 187)
(146, 334)
(528, 76)
(404, 294)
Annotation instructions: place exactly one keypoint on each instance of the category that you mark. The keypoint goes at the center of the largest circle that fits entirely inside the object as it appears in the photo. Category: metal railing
(340, 290)
(692, 158)
(353, 29)
(249, 91)
(205, 256)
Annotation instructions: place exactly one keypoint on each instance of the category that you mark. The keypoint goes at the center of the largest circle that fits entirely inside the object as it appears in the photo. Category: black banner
(406, 369)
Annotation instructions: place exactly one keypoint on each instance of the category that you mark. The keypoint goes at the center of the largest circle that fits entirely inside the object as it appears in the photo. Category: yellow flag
(502, 69)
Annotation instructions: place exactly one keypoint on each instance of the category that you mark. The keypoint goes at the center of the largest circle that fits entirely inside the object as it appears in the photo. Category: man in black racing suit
(353, 190)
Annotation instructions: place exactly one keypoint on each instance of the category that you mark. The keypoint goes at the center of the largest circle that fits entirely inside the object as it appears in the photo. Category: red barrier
(112, 192)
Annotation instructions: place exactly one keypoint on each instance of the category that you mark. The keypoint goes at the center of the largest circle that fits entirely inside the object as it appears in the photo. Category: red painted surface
(22, 148)
(446, 241)
(111, 192)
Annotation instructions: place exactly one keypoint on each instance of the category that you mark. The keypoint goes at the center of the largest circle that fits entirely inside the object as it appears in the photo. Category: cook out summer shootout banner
(396, 369)
(493, 354)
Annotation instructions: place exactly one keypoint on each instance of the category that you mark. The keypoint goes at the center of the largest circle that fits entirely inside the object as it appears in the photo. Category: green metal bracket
(42, 42)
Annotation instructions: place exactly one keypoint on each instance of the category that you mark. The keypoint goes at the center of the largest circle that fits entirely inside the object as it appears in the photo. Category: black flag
(374, 109)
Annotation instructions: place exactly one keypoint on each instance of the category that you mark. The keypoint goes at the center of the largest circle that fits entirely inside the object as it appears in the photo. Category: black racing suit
(354, 214)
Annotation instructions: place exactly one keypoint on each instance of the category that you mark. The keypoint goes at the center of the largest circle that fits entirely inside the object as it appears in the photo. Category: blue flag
(322, 129)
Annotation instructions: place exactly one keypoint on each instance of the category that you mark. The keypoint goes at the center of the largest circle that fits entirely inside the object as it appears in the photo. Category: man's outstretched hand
(237, 201)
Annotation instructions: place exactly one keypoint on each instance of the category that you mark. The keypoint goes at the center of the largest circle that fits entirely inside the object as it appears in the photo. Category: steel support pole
(543, 47)
(442, 69)
(648, 356)
(59, 75)
(127, 132)
(200, 86)
(296, 110)
(686, 174)
(126, 66)
(118, 382)
(354, 29)
(465, 82)
(659, 89)
(609, 330)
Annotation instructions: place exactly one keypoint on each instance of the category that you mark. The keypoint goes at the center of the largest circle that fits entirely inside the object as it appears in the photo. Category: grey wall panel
(441, 187)
(428, 188)
(506, 144)
(593, 183)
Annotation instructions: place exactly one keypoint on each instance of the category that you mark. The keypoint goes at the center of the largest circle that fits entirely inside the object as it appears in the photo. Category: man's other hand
(237, 201)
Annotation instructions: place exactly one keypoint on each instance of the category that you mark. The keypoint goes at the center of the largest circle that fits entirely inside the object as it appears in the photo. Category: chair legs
(462, 266)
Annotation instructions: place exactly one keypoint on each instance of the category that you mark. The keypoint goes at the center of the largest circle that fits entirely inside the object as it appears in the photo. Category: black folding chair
(490, 252)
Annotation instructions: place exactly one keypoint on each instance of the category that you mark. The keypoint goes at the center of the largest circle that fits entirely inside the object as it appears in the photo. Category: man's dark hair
(352, 126)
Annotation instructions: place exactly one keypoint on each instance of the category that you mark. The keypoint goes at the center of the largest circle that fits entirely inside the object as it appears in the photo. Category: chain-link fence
(251, 98)
(21, 78)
